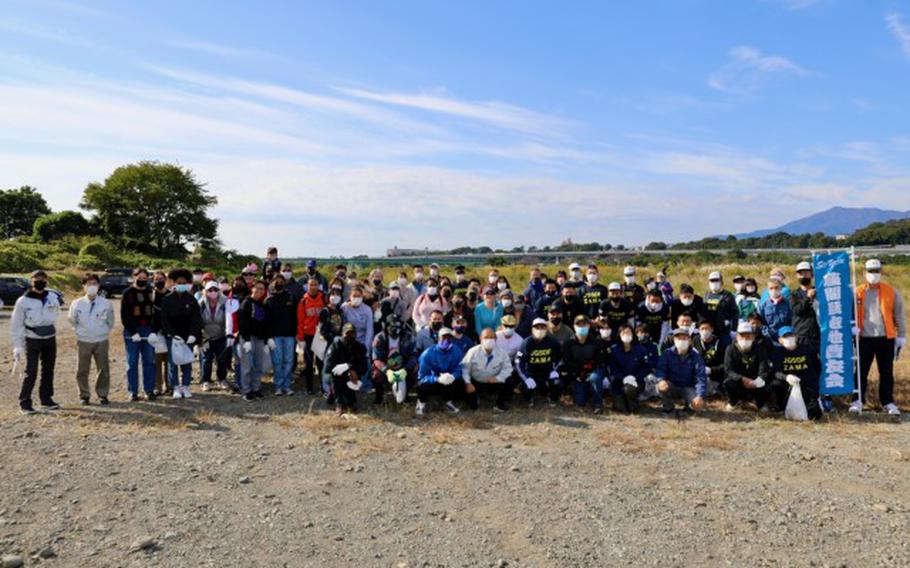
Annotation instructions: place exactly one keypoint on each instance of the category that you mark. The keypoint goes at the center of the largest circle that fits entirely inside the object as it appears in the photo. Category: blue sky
(349, 127)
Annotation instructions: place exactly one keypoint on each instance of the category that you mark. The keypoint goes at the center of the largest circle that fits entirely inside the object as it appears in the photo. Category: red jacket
(308, 314)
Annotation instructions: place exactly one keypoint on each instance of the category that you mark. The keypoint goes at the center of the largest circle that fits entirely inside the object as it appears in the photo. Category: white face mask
(335, 300)
(432, 290)
(434, 272)
(682, 345)
(402, 282)
(655, 306)
(539, 333)
(356, 301)
(493, 279)
(91, 290)
(592, 278)
(788, 342)
(287, 275)
(774, 293)
(744, 344)
(506, 303)
(873, 278)
(630, 280)
(606, 333)
(459, 278)
(508, 331)
(706, 334)
(714, 286)
(502, 285)
(642, 338)
(418, 276)
(488, 344)
(738, 286)
(687, 301)
(394, 293)
(626, 338)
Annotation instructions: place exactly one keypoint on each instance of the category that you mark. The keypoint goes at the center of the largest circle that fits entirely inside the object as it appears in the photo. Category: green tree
(150, 205)
(19, 209)
(57, 225)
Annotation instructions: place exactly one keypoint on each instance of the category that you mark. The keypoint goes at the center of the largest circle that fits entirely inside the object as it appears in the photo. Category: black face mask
(377, 282)
(458, 303)
(556, 321)
(436, 326)
(394, 331)
(278, 287)
(805, 281)
(350, 339)
(159, 285)
(472, 296)
(141, 283)
(447, 295)
(40, 285)
(568, 299)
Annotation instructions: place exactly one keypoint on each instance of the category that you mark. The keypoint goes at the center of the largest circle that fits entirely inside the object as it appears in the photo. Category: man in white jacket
(487, 367)
(34, 338)
(92, 318)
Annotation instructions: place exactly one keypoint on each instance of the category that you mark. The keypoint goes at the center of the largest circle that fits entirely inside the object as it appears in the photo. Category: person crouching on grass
(92, 318)
(681, 374)
(345, 364)
(34, 338)
(181, 320)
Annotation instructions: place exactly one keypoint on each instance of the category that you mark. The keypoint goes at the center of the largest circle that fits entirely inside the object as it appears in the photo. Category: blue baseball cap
(786, 330)
(311, 264)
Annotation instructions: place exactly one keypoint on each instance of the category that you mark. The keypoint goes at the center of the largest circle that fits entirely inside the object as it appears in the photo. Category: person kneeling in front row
(795, 363)
(486, 367)
(345, 364)
(681, 374)
(441, 373)
(748, 370)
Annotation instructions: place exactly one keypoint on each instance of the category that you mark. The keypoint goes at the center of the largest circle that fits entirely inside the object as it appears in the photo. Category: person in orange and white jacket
(308, 310)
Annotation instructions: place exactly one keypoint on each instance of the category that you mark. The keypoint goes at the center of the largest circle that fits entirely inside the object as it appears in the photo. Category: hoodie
(34, 317)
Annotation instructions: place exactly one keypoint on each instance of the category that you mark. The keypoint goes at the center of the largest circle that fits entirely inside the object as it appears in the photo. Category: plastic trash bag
(400, 390)
(319, 345)
(796, 406)
(160, 344)
(181, 353)
(266, 365)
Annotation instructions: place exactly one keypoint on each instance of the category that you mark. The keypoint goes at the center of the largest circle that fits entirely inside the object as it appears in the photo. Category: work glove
(191, 340)
(554, 375)
(230, 341)
(152, 338)
(446, 379)
(759, 383)
(354, 386)
(855, 330)
(396, 376)
(899, 345)
(340, 369)
(247, 346)
(792, 380)
(136, 338)
(17, 353)
(630, 380)
(271, 344)
(530, 383)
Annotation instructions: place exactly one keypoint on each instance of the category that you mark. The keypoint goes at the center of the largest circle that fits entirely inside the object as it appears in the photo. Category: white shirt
(92, 319)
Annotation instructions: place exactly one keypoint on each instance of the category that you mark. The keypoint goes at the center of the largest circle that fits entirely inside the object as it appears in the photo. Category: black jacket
(579, 359)
(137, 308)
(617, 315)
(354, 354)
(696, 310)
(714, 354)
(180, 316)
(253, 320)
(802, 362)
(753, 364)
(569, 310)
(281, 309)
(805, 320)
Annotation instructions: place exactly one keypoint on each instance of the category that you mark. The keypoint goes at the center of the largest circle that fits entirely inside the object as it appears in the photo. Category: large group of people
(453, 339)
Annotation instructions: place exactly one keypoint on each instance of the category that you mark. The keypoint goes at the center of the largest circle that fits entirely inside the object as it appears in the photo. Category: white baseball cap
(539, 321)
(803, 266)
(714, 276)
(744, 327)
(614, 286)
(574, 266)
(629, 271)
(873, 264)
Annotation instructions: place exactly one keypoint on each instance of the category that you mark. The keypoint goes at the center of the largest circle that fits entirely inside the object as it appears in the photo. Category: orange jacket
(885, 302)
(308, 314)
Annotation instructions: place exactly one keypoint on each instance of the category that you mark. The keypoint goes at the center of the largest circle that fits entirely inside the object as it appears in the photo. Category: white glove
(530, 383)
(759, 383)
(606, 383)
(446, 379)
(152, 338)
(204, 346)
(340, 369)
(247, 346)
(354, 386)
(230, 340)
(732, 335)
(17, 353)
(554, 375)
(136, 338)
(900, 342)
(191, 340)
(630, 380)
(855, 330)
(792, 380)
(197, 350)
(271, 344)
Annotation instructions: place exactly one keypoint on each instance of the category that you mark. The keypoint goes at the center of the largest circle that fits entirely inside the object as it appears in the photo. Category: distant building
(840, 237)
(395, 251)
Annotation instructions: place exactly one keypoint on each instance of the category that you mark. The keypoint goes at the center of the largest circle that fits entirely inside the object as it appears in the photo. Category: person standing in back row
(181, 321)
(882, 335)
(92, 318)
(34, 338)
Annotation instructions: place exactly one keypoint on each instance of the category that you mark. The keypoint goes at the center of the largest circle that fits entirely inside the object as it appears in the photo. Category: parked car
(115, 281)
(11, 287)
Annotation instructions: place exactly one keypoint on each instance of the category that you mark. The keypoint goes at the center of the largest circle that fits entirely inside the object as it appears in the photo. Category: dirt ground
(215, 481)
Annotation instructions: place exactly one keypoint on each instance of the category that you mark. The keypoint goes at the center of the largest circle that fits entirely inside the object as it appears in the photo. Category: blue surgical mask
(445, 344)
(582, 331)
(183, 288)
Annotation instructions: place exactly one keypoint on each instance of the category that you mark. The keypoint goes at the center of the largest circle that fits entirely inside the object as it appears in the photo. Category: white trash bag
(796, 406)
(181, 353)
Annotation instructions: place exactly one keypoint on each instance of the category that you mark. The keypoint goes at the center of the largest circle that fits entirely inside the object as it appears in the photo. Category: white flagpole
(857, 315)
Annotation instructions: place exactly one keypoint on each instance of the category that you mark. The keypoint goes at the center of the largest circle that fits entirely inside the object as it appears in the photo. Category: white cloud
(43, 32)
(749, 68)
(900, 30)
(497, 113)
(219, 50)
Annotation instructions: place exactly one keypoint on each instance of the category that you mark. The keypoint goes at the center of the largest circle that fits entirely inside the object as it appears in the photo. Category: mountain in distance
(832, 222)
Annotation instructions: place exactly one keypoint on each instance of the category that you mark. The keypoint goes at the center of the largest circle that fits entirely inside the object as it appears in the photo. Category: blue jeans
(251, 363)
(592, 388)
(217, 354)
(282, 361)
(135, 351)
(174, 373)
